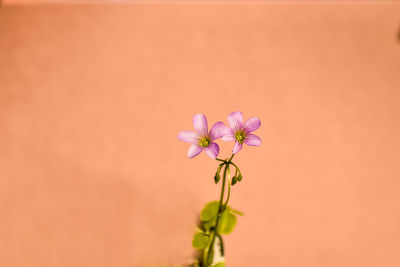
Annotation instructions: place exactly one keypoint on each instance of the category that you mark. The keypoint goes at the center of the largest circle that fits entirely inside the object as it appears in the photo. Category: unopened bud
(234, 180)
(239, 177)
(217, 176)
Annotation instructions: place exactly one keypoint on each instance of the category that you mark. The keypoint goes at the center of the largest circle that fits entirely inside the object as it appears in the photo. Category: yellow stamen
(240, 136)
(204, 141)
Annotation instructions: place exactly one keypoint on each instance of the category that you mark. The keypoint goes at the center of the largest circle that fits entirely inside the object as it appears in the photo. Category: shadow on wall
(398, 34)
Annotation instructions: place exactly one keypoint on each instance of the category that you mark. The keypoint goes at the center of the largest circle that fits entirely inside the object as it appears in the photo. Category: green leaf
(209, 211)
(207, 225)
(237, 212)
(221, 264)
(227, 223)
(200, 241)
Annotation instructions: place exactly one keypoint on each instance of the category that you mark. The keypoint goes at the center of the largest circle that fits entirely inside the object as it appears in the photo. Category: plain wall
(92, 97)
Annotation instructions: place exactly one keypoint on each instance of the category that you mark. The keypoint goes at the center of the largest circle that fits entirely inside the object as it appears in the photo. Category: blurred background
(92, 97)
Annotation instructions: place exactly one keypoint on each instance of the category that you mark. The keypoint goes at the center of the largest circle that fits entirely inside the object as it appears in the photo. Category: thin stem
(229, 190)
(226, 161)
(234, 165)
(215, 230)
(222, 245)
(221, 208)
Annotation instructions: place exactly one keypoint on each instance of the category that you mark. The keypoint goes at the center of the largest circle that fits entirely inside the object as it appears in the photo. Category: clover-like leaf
(227, 223)
(209, 211)
(208, 225)
(200, 240)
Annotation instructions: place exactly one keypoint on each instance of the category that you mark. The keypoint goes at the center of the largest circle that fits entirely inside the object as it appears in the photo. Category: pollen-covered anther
(204, 141)
(240, 136)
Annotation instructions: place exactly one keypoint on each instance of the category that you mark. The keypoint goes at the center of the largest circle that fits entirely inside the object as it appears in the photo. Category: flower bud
(234, 180)
(217, 176)
(239, 177)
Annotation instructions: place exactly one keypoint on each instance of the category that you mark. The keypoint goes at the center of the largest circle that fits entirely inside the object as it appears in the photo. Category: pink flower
(203, 139)
(241, 132)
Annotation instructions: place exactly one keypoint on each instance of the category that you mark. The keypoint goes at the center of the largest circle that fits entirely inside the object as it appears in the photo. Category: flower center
(240, 136)
(204, 141)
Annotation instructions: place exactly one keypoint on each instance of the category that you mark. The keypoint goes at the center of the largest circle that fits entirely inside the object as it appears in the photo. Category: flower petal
(237, 147)
(235, 120)
(212, 150)
(200, 124)
(218, 130)
(252, 124)
(252, 140)
(194, 150)
(188, 136)
(229, 135)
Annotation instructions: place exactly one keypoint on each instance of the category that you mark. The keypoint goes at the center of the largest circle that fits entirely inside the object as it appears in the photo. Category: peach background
(92, 98)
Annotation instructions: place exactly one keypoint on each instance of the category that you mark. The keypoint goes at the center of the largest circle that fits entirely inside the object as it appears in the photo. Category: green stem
(210, 253)
(229, 192)
(226, 161)
(221, 208)
(235, 166)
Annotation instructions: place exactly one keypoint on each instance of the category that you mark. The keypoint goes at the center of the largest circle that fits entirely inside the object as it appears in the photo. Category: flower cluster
(238, 131)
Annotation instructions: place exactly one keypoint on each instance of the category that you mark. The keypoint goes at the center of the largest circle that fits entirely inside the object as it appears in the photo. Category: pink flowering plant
(217, 218)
